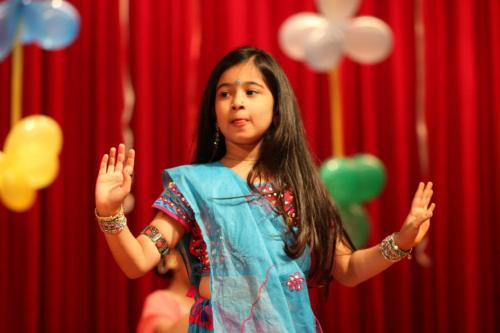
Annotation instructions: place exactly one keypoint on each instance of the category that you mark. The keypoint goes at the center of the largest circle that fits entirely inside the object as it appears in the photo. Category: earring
(216, 138)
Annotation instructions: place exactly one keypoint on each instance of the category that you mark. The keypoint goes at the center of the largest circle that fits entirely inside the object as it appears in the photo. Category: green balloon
(353, 180)
(356, 223)
(371, 176)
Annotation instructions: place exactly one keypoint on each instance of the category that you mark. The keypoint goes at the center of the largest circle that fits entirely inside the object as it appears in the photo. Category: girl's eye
(251, 92)
(224, 94)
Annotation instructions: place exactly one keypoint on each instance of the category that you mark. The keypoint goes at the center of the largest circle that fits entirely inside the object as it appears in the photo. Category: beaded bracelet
(112, 224)
(157, 238)
(391, 251)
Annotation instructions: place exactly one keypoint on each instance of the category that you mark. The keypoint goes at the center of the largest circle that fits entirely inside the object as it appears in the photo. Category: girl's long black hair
(285, 160)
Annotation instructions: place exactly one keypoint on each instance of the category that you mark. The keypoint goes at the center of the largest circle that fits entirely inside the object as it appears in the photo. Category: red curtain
(57, 274)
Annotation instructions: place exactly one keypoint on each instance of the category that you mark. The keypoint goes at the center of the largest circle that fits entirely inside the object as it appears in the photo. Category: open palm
(417, 222)
(114, 180)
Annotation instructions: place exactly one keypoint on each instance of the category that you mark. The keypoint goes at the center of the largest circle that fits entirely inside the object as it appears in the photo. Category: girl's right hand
(114, 180)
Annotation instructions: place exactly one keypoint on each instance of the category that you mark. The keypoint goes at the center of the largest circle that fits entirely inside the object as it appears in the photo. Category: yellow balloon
(2, 163)
(44, 175)
(15, 194)
(39, 131)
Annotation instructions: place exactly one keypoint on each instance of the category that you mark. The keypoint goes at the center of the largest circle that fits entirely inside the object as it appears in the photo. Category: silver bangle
(112, 224)
(390, 251)
(157, 238)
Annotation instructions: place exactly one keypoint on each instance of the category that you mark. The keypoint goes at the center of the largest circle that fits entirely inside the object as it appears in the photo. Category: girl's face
(243, 105)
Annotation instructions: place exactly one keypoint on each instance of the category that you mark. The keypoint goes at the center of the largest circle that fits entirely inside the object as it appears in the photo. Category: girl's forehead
(242, 72)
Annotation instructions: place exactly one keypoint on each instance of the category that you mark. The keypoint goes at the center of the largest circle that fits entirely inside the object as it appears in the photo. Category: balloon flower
(322, 39)
(30, 160)
(352, 181)
(51, 24)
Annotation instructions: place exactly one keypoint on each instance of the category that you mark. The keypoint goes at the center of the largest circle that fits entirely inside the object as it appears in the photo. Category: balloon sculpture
(30, 159)
(351, 182)
(321, 41)
(52, 24)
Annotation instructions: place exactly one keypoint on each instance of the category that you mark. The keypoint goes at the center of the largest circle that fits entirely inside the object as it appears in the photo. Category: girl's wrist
(399, 244)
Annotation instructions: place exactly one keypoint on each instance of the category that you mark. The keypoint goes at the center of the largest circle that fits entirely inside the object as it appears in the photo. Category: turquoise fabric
(250, 272)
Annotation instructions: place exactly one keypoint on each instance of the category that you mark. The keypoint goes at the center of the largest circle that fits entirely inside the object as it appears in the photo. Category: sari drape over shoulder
(255, 286)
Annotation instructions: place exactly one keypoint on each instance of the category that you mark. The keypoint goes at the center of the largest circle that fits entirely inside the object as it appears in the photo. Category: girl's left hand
(418, 220)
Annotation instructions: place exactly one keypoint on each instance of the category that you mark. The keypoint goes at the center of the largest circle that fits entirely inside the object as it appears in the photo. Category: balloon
(372, 176)
(368, 40)
(39, 131)
(353, 180)
(294, 31)
(41, 172)
(356, 223)
(52, 24)
(9, 17)
(323, 49)
(14, 192)
(2, 166)
(337, 10)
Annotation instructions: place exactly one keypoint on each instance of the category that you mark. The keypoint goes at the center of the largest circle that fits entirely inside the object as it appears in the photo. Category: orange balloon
(15, 194)
(39, 131)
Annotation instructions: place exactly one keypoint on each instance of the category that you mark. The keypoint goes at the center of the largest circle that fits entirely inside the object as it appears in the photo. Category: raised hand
(114, 180)
(418, 220)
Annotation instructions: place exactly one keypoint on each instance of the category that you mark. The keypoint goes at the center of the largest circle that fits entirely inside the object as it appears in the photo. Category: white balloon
(337, 10)
(368, 40)
(323, 49)
(294, 31)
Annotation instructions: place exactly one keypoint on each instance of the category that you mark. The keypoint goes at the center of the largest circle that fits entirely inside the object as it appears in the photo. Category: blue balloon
(52, 25)
(9, 17)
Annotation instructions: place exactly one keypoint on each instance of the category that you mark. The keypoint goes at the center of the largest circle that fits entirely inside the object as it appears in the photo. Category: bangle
(391, 251)
(112, 224)
(157, 238)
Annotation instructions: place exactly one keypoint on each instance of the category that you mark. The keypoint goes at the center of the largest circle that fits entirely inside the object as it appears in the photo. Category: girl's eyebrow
(226, 84)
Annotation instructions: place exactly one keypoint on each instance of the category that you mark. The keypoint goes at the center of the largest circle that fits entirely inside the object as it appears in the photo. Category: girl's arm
(135, 256)
(351, 268)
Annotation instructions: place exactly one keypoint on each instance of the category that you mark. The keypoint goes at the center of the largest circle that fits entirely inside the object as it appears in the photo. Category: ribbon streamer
(16, 79)
(336, 113)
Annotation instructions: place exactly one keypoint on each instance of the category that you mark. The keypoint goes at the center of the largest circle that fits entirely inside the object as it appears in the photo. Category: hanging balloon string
(421, 127)
(128, 88)
(336, 113)
(16, 79)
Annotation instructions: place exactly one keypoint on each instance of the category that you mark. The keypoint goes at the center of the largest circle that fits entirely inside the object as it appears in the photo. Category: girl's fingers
(120, 157)
(417, 198)
(128, 170)
(129, 164)
(112, 158)
(103, 165)
(427, 194)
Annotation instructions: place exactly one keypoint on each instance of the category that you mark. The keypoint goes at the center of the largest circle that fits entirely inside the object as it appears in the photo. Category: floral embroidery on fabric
(198, 248)
(295, 282)
(176, 201)
(274, 198)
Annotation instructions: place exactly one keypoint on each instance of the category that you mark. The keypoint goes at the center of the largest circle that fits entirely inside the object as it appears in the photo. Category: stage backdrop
(56, 273)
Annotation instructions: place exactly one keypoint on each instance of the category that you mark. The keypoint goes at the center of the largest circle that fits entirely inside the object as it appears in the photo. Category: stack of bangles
(391, 251)
(116, 223)
(112, 224)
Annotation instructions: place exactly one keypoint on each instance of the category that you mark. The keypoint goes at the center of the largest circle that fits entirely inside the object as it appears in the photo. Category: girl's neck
(235, 154)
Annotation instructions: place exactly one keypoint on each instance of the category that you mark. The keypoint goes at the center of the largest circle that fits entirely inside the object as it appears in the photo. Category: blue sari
(255, 286)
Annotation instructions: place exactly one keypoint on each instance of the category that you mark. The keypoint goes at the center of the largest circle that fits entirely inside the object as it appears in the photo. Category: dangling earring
(216, 138)
(216, 142)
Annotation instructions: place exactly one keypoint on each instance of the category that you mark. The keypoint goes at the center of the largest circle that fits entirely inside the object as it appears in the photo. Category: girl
(251, 212)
